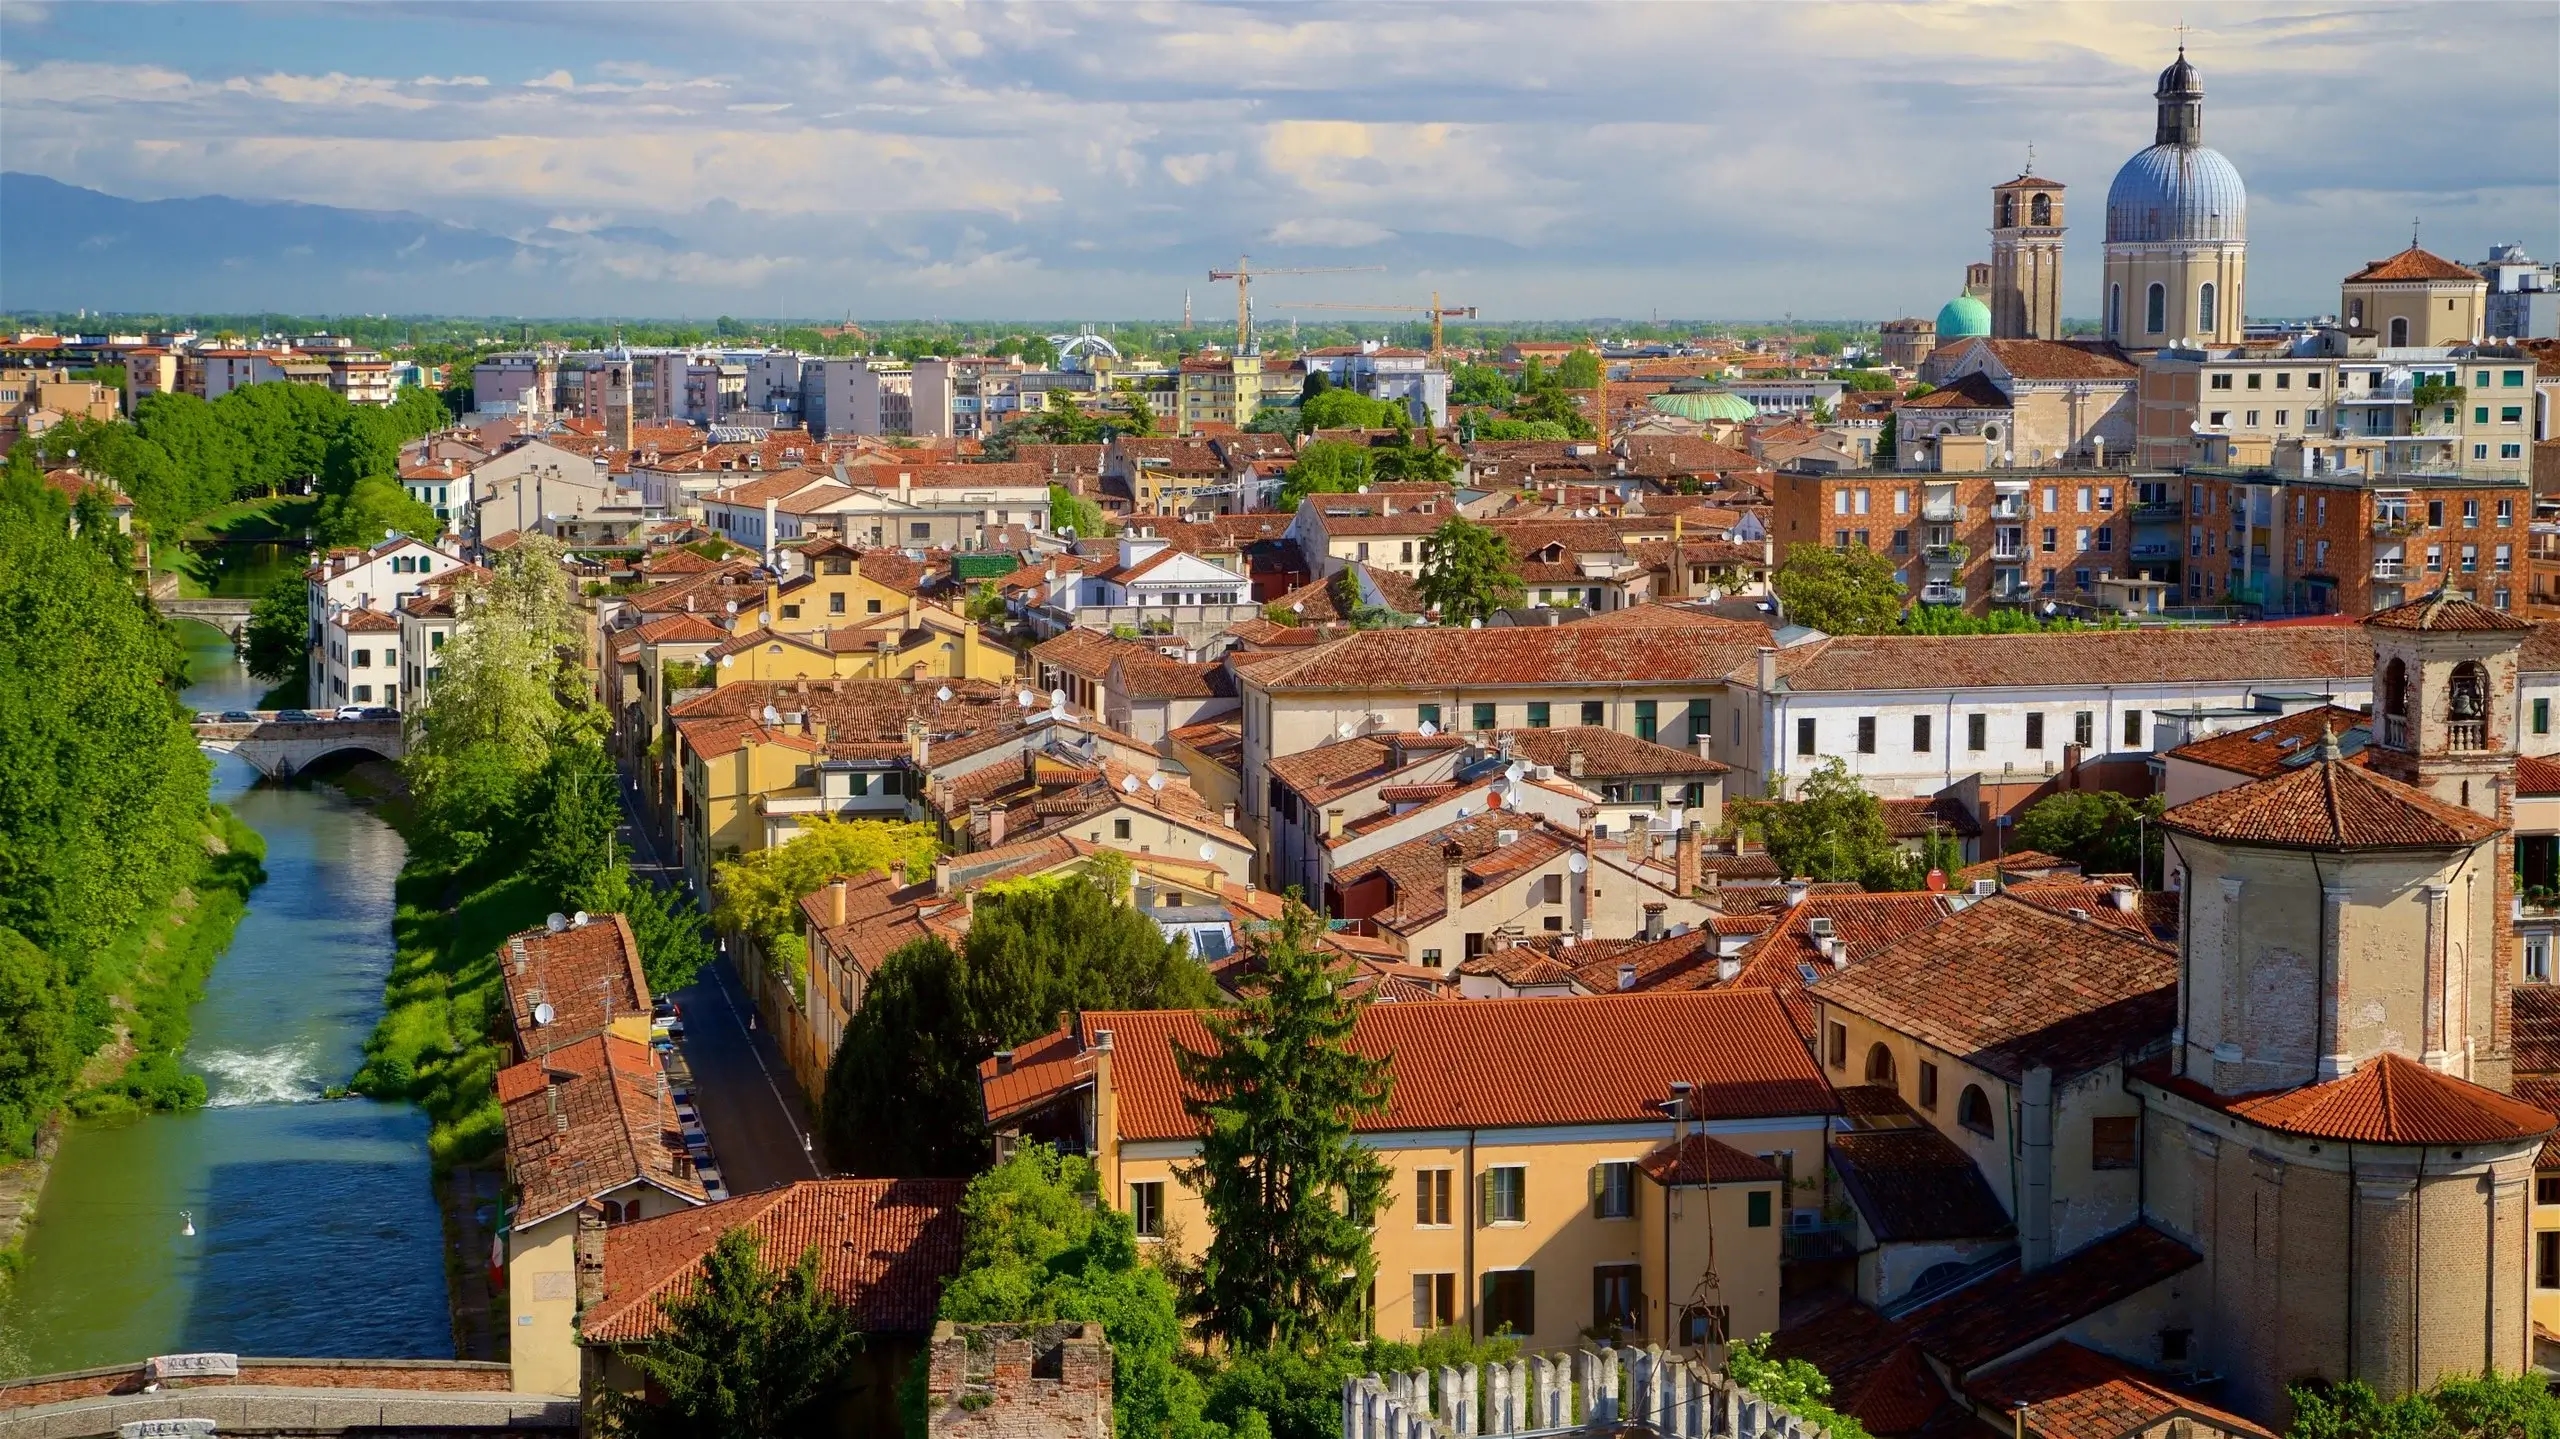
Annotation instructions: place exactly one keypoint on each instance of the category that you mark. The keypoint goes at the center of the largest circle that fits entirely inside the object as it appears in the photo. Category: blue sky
(1722, 160)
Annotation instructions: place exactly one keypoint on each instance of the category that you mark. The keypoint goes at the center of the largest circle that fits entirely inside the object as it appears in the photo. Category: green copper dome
(1704, 405)
(1963, 318)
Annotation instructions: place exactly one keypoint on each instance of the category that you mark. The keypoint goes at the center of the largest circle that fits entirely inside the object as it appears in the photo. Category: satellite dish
(728, 660)
(578, 920)
(1427, 729)
(543, 1013)
(1057, 699)
(1156, 782)
(1129, 784)
(1517, 772)
(733, 607)
(1343, 730)
(1208, 851)
(943, 694)
(1577, 863)
(772, 715)
(1058, 715)
(1297, 607)
(1462, 811)
(1025, 698)
(555, 921)
(1493, 799)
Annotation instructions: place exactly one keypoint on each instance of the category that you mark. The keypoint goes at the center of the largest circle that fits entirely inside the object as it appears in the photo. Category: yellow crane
(1435, 310)
(1243, 275)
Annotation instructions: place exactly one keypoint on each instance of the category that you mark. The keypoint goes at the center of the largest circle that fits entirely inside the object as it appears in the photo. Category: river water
(316, 1234)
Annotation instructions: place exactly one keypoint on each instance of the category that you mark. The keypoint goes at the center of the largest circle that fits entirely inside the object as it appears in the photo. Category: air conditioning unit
(1820, 925)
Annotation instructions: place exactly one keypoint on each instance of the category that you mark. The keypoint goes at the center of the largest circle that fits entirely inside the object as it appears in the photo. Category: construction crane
(1243, 275)
(1435, 310)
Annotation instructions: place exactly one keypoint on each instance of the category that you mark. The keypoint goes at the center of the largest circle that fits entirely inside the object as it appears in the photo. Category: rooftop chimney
(1686, 860)
(1796, 889)
(1653, 912)
(1728, 969)
(1573, 762)
(1453, 858)
(1626, 977)
(1004, 1061)
(835, 901)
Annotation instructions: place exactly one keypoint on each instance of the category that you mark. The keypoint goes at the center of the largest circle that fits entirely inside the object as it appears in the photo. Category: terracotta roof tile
(2537, 1029)
(2445, 610)
(2061, 360)
(2330, 805)
(2156, 656)
(588, 1119)
(2390, 1099)
(589, 975)
(2412, 264)
(1454, 658)
(1910, 1182)
(1920, 818)
(1970, 392)
(1864, 923)
(1459, 1065)
(2271, 748)
(1703, 1159)
(2068, 1392)
(885, 1248)
(2537, 777)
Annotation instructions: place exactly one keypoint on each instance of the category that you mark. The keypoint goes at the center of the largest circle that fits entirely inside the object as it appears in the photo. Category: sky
(1546, 160)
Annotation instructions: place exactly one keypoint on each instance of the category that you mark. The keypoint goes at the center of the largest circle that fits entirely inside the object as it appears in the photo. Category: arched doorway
(1880, 1066)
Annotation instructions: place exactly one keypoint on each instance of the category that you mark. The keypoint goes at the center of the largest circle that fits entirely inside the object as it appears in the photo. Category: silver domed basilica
(2177, 230)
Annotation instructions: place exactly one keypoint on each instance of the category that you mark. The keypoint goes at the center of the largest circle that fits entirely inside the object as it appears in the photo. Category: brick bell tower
(2445, 721)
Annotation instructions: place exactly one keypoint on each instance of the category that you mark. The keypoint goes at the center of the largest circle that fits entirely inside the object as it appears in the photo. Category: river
(316, 1234)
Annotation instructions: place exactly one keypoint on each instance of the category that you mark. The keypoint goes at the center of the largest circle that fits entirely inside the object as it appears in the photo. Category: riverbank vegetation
(120, 883)
(510, 815)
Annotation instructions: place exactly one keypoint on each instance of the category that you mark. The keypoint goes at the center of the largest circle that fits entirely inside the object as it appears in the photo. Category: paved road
(751, 1107)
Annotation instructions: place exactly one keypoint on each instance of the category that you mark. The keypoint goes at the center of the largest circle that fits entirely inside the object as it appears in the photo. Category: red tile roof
(2261, 750)
(588, 975)
(2154, 656)
(1461, 1065)
(586, 1120)
(2067, 1392)
(1448, 659)
(1970, 392)
(1702, 1159)
(2412, 264)
(2537, 777)
(2390, 1099)
(2445, 610)
(2536, 1036)
(1910, 1182)
(2059, 360)
(2008, 986)
(2330, 804)
(1864, 922)
(885, 1248)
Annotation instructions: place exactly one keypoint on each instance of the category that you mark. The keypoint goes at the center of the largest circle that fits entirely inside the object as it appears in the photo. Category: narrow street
(751, 1108)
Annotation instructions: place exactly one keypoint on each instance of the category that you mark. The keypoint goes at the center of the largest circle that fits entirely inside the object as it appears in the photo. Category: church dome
(1963, 318)
(1704, 406)
(2177, 192)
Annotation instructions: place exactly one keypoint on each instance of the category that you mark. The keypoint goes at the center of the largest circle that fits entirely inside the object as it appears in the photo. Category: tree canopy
(1579, 370)
(1467, 572)
(1849, 591)
(1326, 467)
(750, 1350)
(760, 892)
(1832, 829)
(2100, 830)
(279, 639)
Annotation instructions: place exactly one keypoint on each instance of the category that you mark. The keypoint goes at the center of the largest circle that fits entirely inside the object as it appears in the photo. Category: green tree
(674, 945)
(1142, 416)
(1579, 370)
(902, 1097)
(1839, 591)
(370, 509)
(760, 892)
(2102, 831)
(1068, 513)
(1467, 572)
(1478, 385)
(2460, 1406)
(1888, 455)
(986, 605)
(208, 452)
(570, 813)
(364, 445)
(1289, 1191)
(1071, 941)
(279, 637)
(751, 1350)
(1345, 410)
(38, 1049)
(1545, 398)
(1041, 1246)
(1793, 1385)
(1419, 459)
(1510, 429)
(1831, 830)
(1867, 381)
(1325, 467)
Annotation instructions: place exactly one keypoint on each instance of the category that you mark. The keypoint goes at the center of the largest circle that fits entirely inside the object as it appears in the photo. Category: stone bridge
(281, 748)
(225, 613)
(300, 1398)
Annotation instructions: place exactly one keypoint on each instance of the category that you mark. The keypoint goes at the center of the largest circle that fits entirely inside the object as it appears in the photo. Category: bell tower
(2444, 698)
(2026, 258)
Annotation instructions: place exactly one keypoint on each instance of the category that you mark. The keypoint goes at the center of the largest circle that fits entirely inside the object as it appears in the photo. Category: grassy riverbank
(442, 1006)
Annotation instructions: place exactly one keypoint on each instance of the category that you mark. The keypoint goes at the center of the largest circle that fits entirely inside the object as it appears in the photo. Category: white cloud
(1329, 232)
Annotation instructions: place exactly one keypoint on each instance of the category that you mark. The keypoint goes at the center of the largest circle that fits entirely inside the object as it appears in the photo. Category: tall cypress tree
(1290, 1193)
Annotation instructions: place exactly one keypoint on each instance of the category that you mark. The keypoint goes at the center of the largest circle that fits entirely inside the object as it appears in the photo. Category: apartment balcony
(1941, 595)
(1946, 554)
(2398, 526)
(2008, 552)
(2009, 507)
(2389, 570)
(2159, 512)
(2155, 551)
(1942, 512)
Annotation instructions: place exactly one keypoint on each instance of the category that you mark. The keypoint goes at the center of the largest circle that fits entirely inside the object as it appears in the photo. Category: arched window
(2204, 309)
(2008, 211)
(2115, 310)
(2399, 329)
(2466, 706)
(2395, 704)
(2155, 312)
(1880, 1066)
(2355, 314)
(1973, 1110)
(2040, 210)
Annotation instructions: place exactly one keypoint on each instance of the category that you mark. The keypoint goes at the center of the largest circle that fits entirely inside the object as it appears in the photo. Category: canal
(316, 1233)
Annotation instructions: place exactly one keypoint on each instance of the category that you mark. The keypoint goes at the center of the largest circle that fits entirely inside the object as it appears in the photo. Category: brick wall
(423, 1375)
(1019, 1381)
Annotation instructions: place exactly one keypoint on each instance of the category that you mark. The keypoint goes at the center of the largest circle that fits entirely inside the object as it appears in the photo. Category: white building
(354, 581)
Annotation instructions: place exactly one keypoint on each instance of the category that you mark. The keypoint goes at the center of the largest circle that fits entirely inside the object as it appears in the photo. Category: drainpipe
(2035, 1162)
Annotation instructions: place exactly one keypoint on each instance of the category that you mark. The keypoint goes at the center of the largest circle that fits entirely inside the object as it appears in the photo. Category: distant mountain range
(63, 247)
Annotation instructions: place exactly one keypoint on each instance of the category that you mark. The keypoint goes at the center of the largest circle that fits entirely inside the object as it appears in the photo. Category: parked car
(296, 716)
(352, 712)
(238, 717)
(207, 717)
(376, 712)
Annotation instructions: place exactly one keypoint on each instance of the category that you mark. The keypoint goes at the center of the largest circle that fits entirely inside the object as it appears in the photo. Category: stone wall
(1019, 1381)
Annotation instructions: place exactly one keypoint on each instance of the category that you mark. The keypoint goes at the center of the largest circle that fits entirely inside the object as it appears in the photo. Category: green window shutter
(1599, 1183)
(1484, 1201)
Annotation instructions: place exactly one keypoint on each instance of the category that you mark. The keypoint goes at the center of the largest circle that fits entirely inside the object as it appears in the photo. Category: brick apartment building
(1977, 540)
(2352, 544)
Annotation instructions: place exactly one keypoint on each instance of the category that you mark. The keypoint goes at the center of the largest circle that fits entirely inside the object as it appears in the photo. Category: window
(2081, 501)
(2252, 418)
(1702, 720)
(1901, 541)
(1594, 712)
(1837, 1037)
(2511, 414)
(2283, 417)
(2133, 730)
(1647, 719)
(2546, 1189)
(1426, 715)
(1510, 1301)
(2542, 716)
(1759, 1204)
(2111, 1142)
(2537, 958)
(2503, 558)
(1435, 1301)
(2035, 731)
(1613, 1190)
(2050, 535)
(1120, 829)
(1614, 1302)
(2204, 312)
(2155, 310)
(791, 612)
(1506, 1194)
(1481, 716)
(2080, 538)
(1976, 725)
(2311, 418)
(2115, 310)
(2471, 514)
(1553, 888)
(1804, 736)
(1146, 1206)
(1538, 714)
(1928, 1085)
(1431, 1198)
(1880, 1066)
(1866, 734)
(2084, 728)
(2435, 514)
(920, 530)
(1973, 1110)
(1920, 734)
(364, 659)
(2256, 380)
(2470, 559)
(2511, 452)
(2546, 1259)
(2222, 382)
(364, 692)
(2435, 557)
(871, 607)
